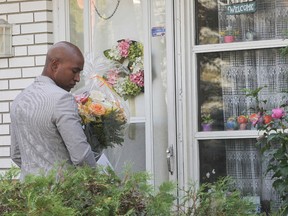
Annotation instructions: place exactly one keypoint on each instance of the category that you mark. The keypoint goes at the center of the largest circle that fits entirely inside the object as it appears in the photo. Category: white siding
(32, 35)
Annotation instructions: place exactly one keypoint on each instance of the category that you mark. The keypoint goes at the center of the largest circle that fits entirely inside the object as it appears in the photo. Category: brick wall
(32, 35)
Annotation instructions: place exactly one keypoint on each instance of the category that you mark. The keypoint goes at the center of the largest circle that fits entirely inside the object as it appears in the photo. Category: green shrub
(84, 191)
(220, 198)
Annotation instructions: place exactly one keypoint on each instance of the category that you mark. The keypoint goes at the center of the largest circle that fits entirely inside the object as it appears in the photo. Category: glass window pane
(241, 160)
(113, 21)
(222, 21)
(131, 153)
(110, 22)
(159, 93)
(125, 22)
(76, 23)
(223, 76)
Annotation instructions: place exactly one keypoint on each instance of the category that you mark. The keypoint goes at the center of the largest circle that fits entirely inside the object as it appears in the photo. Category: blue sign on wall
(158, 31)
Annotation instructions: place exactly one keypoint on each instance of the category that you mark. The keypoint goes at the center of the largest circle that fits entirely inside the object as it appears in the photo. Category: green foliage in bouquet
(104, 119)
(106, 132)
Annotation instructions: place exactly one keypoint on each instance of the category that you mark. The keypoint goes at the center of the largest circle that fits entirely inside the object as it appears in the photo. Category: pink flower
(83, 98)
(254, 118)
(278, 113)
(138, 78)
(112, 77)
(123, 47)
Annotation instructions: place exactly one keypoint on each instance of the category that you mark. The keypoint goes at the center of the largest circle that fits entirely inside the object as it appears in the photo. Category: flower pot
(229, 39)
(231, 125)
(243, 126)
(206, 127)
(250, 35)
(253, 127)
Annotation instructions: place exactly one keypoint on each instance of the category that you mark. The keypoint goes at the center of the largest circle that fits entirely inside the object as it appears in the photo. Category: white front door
(96, 26)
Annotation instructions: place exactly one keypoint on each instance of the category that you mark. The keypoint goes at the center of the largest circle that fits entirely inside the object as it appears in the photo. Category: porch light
(5, 39)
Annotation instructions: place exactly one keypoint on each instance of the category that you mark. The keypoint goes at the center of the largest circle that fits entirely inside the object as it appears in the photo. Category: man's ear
(54, 64)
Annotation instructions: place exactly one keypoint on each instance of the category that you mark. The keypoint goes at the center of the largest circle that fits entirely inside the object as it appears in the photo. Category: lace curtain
(252, 69)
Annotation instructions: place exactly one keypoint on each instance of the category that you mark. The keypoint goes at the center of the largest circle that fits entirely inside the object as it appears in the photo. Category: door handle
(169, 154)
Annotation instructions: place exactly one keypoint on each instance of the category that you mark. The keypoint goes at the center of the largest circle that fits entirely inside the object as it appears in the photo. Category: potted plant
(229, 35)
(242, 121)
(273, 143)
(256, 118)
(206, 122)
(231, 123)
(250, 35)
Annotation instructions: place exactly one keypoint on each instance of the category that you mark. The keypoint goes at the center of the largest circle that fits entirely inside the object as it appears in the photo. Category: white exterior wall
(32, 35)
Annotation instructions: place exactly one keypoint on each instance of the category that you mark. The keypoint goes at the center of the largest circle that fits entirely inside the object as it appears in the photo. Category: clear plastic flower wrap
(104, 114)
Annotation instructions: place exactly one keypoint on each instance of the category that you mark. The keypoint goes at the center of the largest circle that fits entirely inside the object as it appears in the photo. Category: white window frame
(186, 65)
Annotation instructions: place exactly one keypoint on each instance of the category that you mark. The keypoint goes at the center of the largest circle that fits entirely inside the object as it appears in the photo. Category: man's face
(67, 72)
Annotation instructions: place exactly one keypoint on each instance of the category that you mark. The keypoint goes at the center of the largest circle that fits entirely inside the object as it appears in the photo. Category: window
(237, 49)
(224, 21)
(224, 78)
(241, 160)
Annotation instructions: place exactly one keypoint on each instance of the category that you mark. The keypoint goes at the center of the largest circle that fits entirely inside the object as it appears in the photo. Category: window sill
(233, 134)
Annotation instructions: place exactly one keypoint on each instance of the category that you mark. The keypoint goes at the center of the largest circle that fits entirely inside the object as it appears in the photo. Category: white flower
(97, 96)
(213, 171)
(114, 53)
(137, 65)
(208, 175)
(119, 86)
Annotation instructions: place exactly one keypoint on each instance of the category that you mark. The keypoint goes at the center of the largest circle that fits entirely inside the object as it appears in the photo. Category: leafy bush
(218, 199)
(83, 191)
(87, 192)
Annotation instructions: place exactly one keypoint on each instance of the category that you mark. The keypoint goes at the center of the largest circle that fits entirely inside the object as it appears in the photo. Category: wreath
(127, 82)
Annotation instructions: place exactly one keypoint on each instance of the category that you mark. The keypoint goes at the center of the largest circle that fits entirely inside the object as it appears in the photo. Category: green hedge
(89, 192)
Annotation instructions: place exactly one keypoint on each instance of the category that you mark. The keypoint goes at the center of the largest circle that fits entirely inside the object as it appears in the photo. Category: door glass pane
(159, 92)
(76, 23)
(132, 152)
(225, 21)
(109, 22)
(223, 76)
(241, 160)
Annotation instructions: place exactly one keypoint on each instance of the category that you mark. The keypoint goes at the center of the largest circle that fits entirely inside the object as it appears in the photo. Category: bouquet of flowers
(128, 82)
(103, 113)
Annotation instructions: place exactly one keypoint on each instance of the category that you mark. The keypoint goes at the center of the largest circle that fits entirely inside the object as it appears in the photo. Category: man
(45, 125)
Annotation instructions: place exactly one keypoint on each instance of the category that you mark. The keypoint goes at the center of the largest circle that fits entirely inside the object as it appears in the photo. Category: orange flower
(253, 117)
(267, 119)
(97, 109)
(242, 119)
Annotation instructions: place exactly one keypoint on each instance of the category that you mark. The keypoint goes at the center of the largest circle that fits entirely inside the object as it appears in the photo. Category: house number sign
(242, 8)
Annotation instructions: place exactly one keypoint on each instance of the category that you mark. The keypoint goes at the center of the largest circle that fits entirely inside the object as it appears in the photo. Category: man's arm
(69, 125)
(14, 150)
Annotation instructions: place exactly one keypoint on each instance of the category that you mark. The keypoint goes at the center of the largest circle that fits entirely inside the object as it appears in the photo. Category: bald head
(64, 61)
(60, 51)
